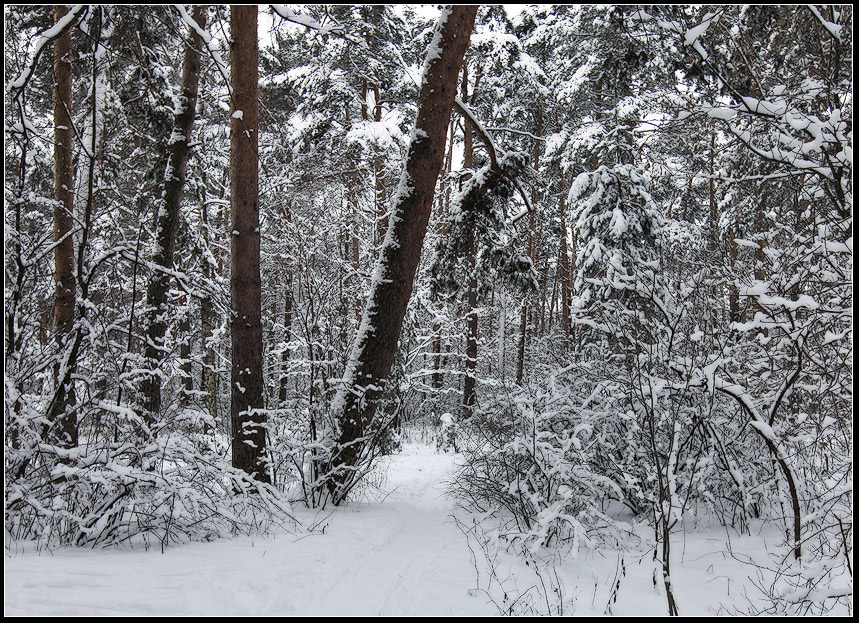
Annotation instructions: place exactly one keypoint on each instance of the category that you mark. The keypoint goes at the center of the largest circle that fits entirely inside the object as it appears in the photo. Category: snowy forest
(458, 310)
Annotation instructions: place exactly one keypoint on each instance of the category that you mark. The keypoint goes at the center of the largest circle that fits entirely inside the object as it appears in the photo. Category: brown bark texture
(168, 217)
(246, 378)
(376, 342)
(64, 252)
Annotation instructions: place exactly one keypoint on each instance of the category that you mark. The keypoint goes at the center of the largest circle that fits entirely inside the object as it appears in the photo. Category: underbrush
(124, 489)
(566, 466)
(530, 458)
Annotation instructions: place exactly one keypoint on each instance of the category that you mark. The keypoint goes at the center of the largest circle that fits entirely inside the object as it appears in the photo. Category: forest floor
(405, 550)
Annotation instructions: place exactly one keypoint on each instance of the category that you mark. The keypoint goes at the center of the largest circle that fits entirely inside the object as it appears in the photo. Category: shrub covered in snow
(123, 488)
(531, 457)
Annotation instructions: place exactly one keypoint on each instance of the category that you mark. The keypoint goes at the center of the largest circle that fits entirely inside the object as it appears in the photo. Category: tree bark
(246, 377)
(438, 373)
(733, 292)
(64, 252)
(532, 253)
(168, 218)
(185, 357)
(564, 264)
(209, 375)
(523, 328)
(376, 342)
(287, 338)
(469, 397)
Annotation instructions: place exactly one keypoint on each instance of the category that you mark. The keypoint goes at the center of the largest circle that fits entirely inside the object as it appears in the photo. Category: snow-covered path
(400, 553)
(404, 556)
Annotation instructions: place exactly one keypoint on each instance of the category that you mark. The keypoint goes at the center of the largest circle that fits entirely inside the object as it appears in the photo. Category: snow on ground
(401, 556)
(400, 552)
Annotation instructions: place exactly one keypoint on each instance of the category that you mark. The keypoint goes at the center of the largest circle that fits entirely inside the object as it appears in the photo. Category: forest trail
(397, 551)
(400, 553)
(412, 559)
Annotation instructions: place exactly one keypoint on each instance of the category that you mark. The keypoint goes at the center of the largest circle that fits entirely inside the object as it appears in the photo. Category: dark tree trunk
(438, 373)
(711, 193)
(376, 342)
(469, 394)
(734, 295)
(209, 380)
(380, 196)
(532, 253)
(168, 218)
(185, 356)
(64, 252)
(287, 338)
(246, 377)
(209, 375)
(564, 265)
(468, 387)
(520, 359)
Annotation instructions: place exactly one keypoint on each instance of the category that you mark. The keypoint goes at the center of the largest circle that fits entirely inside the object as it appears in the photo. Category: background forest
(633, 302)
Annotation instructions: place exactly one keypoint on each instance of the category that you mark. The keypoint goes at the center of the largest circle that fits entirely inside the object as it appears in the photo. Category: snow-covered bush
(531, 457)
(446, 441)
(121, 488)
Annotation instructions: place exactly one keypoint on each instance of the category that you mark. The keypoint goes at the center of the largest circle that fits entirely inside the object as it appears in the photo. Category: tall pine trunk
(64, 252)
(438, 373)
(246, 376)
(564, 264)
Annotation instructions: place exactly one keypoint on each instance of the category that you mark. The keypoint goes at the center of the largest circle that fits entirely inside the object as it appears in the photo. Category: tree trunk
(520, 359)
(711, 192)
(734, 294)
(380, 197)
(564, 264)
(532, 253)
(209, 380)
(438, 373)
(168, 218)
(246, 377)
(468, 388)
(64, 252)
(287, 338)
(376, 342)
(760, 230)
(502, 329)
(185, 356)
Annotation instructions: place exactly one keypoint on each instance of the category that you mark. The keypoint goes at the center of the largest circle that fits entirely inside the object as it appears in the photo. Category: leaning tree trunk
(246, 376)
(376, 341)
(64, 251)
(168, 217)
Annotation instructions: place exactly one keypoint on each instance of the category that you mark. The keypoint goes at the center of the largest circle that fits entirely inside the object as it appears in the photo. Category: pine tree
(64, 252)
(246, 377)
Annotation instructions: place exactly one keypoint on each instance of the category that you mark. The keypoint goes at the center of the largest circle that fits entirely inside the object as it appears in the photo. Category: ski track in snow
(402, 556)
